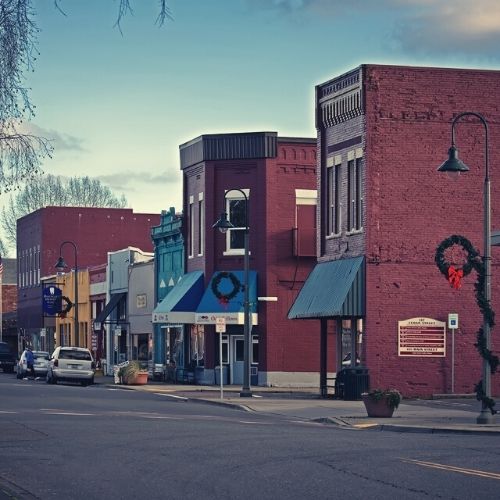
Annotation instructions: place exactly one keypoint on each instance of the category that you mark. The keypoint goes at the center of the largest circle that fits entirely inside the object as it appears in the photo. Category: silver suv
(71, 364)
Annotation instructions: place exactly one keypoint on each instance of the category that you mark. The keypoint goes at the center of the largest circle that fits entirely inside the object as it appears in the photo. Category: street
(72, 442)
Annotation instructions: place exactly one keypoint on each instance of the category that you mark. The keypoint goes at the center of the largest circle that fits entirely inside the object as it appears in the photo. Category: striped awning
(333, 289)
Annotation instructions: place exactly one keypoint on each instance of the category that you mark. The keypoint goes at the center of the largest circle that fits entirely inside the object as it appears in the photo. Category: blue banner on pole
(52, 300)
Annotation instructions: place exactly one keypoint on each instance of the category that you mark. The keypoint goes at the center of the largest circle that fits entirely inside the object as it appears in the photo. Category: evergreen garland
(474, 261)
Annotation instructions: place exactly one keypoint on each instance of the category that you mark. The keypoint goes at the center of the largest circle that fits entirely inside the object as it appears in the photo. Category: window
(354, 188)
(201, 223)
(191, 226)
(255, 349)
(236, 208)
(359, 195)
(225, 350)
(304, 240)
(333, 200)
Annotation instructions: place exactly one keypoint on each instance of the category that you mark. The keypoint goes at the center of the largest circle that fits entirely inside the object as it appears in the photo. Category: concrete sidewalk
(305, 404)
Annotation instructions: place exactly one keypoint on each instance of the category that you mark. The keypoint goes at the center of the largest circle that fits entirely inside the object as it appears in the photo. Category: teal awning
(333, 289)
(181, 302)
(211, 308)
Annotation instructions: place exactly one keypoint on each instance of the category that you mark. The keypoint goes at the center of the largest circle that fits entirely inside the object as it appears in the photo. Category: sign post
(220, 327)
(453, 325)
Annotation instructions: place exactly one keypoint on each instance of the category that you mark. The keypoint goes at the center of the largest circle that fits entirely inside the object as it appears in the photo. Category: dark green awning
(333, 289)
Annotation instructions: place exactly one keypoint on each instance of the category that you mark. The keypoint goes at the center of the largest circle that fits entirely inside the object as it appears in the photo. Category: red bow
(455, 277)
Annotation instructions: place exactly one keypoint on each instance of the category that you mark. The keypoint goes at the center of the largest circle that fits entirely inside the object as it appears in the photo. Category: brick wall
(411, 208)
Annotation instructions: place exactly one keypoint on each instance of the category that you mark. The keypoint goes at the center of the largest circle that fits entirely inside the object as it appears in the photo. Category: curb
(340, 422)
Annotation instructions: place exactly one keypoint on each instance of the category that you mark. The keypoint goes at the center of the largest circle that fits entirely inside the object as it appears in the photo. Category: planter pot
(139, 379)
(377, 408)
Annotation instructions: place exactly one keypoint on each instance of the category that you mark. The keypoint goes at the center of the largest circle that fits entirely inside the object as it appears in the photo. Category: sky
(117, 105)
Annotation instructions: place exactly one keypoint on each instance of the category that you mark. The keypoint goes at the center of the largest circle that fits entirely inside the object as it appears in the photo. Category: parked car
(71, 364)
(7, 358)
(41, 363)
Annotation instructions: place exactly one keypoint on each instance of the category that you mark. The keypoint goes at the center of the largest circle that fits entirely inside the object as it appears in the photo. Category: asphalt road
(70, 442)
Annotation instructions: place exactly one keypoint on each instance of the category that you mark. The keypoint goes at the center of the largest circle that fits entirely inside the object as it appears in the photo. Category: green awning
(333, 289)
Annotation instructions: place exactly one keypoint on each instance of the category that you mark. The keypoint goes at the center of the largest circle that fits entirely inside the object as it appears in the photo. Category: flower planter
(140, 378)
(377, 408)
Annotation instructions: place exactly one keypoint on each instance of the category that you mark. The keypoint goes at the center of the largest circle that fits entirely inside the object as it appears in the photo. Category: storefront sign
(174, 317)
(422, 337)
(230, 318)
(141, 301)
(52, 300)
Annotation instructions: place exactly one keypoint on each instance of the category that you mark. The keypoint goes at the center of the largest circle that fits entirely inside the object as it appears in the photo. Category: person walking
(30, 361)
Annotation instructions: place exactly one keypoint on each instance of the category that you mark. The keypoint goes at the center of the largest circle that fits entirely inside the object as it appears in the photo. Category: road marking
(171, 396)
(4, 411)
(159, 417)
(255, 423)
(72, 414)
(452, 468)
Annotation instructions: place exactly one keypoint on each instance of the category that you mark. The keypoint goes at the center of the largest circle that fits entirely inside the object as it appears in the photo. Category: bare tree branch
(165, 13)
(52, 190)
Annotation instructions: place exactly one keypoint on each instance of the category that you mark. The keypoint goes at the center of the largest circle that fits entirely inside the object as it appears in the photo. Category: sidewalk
(305, 404)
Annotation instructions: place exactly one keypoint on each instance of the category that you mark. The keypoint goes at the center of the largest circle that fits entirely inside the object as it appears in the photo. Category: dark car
(7, 358)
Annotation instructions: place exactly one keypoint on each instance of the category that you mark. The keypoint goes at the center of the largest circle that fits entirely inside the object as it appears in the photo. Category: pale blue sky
(118, 106)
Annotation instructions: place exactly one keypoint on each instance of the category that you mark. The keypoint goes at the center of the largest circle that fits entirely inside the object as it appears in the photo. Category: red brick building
(278, 176)
(384, 209)
(95, 232)
(9, 303)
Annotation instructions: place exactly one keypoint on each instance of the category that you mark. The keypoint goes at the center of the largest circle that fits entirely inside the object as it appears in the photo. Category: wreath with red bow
(454, 276)
(224, 298)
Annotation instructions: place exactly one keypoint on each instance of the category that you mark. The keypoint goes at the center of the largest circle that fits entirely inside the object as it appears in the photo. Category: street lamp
(455, 167)
(223, 224)
(60, 266)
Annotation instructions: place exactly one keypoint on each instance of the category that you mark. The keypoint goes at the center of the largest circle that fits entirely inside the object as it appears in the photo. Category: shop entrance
(237, 360)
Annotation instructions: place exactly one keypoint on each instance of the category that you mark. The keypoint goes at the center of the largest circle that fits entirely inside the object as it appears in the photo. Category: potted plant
(133, 374)
(381, 402)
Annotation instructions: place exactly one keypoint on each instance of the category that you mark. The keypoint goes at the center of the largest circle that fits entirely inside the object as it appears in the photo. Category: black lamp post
(61, 266)
(223, 224)
(455, 167)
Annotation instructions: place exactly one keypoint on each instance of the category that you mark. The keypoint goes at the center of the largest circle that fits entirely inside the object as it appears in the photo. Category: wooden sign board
(422, 337)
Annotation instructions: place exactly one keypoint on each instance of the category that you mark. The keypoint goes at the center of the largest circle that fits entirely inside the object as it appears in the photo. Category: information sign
(422, 337)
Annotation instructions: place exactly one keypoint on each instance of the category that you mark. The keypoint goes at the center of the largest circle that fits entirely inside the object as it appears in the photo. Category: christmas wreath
(67, 307)
(224, 298)
(454, 276)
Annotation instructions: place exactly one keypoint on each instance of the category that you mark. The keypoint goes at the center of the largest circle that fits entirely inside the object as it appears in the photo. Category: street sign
(220, 325)
(452, 321)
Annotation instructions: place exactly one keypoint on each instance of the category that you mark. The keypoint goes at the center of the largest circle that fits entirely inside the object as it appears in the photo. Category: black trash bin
(351, 383)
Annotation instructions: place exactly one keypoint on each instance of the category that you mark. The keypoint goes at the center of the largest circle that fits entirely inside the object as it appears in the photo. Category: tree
(51, 190)
(21, 154)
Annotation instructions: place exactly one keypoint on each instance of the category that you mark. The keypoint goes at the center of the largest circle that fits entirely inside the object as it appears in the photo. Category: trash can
(351, 383)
